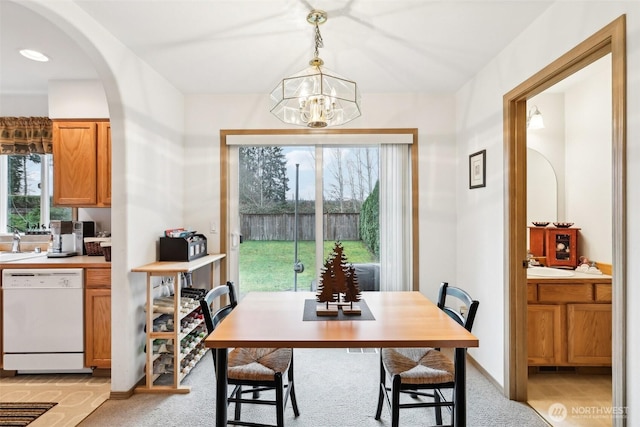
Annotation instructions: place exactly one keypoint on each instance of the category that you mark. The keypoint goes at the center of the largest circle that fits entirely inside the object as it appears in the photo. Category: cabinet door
(1, 339)
(75, 172)
(544, 334)
(562, 247)
(104, 164)
(589, 334)
(98, 328)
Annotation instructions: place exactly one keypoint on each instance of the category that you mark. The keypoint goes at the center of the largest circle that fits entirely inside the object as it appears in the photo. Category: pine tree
(326, 292)
(263, 178)
(340, 268)
(352, 293)
(338, 276)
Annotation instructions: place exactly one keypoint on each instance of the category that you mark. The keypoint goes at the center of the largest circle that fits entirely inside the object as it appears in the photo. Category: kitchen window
(26, 190)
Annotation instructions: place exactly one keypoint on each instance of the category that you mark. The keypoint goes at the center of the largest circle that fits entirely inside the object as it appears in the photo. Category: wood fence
(337, 226)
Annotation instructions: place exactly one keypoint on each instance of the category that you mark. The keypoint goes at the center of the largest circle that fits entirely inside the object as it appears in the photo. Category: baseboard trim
(121, 395)
(486, 374)
(102, 372)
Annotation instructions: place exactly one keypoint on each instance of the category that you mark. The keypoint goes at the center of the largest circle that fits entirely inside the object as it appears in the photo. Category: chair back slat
(467, 318)
(213, 297)
(455, 315)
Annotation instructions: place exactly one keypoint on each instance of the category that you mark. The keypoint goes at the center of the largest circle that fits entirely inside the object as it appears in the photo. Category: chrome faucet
(15, 247)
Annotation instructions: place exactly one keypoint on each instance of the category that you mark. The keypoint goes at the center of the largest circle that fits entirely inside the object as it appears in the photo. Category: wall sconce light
(534, 119)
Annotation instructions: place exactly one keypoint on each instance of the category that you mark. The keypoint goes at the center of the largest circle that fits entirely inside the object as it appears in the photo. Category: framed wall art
(477, 169)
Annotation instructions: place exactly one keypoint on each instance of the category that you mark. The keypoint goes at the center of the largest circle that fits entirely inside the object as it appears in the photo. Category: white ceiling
(242, 46)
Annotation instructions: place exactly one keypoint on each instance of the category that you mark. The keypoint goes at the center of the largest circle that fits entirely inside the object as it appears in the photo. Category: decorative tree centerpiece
(338, 285)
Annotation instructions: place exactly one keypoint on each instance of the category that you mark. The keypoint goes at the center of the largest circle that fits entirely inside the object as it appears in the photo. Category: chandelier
(316, 96)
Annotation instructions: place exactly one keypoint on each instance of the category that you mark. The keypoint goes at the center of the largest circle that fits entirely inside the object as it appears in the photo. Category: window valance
(26, 135)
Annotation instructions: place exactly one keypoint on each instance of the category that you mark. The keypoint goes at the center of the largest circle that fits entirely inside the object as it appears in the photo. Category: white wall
(588, 161)
(433, 115)
(23, 105)
(77, 99)
(147, 156)
(481, 212)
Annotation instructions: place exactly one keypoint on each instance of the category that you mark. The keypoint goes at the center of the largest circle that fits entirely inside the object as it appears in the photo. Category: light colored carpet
(333, 387)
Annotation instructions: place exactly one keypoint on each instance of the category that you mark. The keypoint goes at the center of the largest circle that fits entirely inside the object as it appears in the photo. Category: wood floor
(569, 399)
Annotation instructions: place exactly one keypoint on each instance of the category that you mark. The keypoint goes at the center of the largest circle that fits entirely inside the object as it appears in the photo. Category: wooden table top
(178, 266)
(402, 319)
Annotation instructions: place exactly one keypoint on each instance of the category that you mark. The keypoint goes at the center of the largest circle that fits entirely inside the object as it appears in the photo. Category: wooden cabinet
(569, 322)
(1, 338)
(82, 163)
(104, 164)
(558, 245)
(589, 334)
(562, 247)
(97, 332)
(544, 339)
(537, 241)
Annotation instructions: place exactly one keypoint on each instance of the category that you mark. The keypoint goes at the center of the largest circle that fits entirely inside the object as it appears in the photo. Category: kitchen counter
(80, 261)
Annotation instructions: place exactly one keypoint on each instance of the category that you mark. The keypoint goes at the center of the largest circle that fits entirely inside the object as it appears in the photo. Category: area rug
(23, 413)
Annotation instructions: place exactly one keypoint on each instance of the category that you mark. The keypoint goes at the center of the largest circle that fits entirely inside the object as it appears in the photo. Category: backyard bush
(369, 221)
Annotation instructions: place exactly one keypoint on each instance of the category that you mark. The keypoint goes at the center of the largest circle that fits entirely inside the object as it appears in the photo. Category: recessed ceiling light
(34, 55)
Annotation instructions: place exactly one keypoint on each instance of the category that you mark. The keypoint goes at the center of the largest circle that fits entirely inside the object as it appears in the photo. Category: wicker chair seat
(258, 364)
(418, 365)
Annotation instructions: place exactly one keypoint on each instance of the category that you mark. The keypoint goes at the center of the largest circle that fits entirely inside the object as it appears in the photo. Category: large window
(396, 192)
(26, 190)
(279, 205)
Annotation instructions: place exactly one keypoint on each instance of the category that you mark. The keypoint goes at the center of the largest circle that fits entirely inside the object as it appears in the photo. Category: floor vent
(565, 369)
(362, 350)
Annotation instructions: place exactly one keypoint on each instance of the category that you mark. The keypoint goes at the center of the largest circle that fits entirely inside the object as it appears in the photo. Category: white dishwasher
(43, 320)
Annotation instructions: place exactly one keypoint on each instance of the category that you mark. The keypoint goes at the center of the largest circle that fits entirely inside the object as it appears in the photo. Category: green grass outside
(268, 265)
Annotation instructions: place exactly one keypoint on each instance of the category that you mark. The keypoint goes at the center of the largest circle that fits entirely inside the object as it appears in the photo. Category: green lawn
(268, 265)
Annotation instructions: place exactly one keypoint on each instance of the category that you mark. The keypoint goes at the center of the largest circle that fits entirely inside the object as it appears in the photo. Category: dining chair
(424, 372)
(262, 369)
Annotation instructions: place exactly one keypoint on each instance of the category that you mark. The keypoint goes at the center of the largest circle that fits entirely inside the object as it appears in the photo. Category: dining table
(386, 319)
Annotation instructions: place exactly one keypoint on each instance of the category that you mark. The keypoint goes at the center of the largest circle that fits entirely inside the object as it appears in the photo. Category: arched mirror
(542, 188)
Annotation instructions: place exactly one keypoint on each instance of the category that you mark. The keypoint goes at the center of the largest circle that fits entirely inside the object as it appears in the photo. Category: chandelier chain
(318, 39)
(315, 97)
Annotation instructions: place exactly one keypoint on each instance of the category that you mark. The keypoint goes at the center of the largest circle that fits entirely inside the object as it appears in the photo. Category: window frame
(403, 135)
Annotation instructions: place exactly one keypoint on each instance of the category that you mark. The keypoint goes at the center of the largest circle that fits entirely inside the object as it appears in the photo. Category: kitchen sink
(16, 256)
(549, 272)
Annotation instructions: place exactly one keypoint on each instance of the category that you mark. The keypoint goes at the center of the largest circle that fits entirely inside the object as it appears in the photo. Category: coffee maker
(66, 239)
